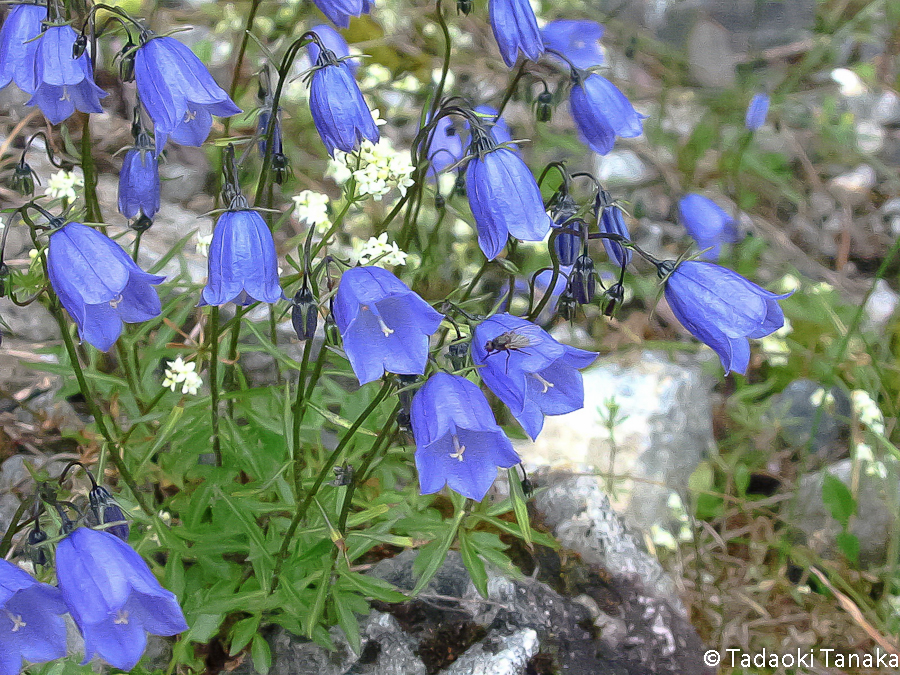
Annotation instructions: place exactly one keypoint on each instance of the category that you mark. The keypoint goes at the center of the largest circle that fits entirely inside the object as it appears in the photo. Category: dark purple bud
(463, 7)
(567, 307)
(568, 244)
(613, 297)
(582, 282)
(79, 46)
(36, 552)
(304, 314)
(439, 201)
(23, 179)
(457, 353)
(459, 187)
(544, 107)
(104, 510)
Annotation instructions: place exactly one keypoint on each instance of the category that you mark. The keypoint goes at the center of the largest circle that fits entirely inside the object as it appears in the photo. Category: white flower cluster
(863, 453)
(184, 374)
(377, 168)
(203, 242)
(62, 185)
(867, 411)
(376, 248)
(312, 208)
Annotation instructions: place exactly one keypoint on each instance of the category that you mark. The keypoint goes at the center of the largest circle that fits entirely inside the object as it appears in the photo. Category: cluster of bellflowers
(385, 328)
(110, 592)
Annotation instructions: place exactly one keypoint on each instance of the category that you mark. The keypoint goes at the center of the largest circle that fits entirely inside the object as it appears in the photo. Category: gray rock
(876, 512)
(33, 323)
(623, 168)
(497, 655)
(880, 306)
(886, 110)
(663, 430)
(711, 61)
(581, 518)
(795, 413)
(853, 187)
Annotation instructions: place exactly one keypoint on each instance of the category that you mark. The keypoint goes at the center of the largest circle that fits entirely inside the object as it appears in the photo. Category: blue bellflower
(340, 11)
(31, 625)
(333, 41)
(500, 131)
(707, 223)
(757, 111)
(458, 441)
(722, 309)
(533, 374)
(384, 324)
(505, 200)
(18, 45)
(113, 597)
(139, 181)
(578, 40)
(612, 221)
(243, 265)
(601, 112)
(98, 284)
(446, 147)
(515, 29)
(178, 92)
(338, 109)
(63, 84)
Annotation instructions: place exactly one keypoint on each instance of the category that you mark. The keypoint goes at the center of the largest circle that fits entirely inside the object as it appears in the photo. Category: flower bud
(280, 167)
(457, 353)
(567, 307)
(332, 334)
(23, 179)
(459, 188)
(568, 244)
(36, 552)
(613, 297)
(304, 314)
(142, 224)
(126, 62)
(463, 7)
(104, 510)
(543, 107)
(582, 283)
(79, 46)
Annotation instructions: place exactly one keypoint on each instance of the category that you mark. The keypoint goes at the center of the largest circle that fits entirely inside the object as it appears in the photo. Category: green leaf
(433, 554)
(242, 632)
(347, 621)
(837, 499)
(473, 563)
(848, 543)
(261, 654)
(520, 506)
(372, 587)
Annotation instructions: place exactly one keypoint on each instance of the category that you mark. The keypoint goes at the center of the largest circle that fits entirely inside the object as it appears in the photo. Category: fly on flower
(508, 342)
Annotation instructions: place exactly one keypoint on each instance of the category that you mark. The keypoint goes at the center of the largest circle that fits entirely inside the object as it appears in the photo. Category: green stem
(14, 527)
(232, 356)
(236, 73)
(510, 90)
(214, 382)
(92, 203)
(330, 462)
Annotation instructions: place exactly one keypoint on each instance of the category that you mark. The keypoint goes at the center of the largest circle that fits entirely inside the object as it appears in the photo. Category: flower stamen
(16, 621)
(190, 115)
(542, 381)
(460, 449)
(121, 618)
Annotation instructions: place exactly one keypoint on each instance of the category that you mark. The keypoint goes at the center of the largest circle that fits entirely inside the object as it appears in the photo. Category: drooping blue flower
(707, 223)
(338, 109)
(446, 147)
(384, 324)
(139, 181)
(63, 84)
(98, 284)
(500, 131)
(113, 597)
(601, 112)
(576, 39)
(515, 29)
(31, 623)
(533, 374)
(722, 309)
(612, 221)
(18, 45)
(505, 200)
(340, 11)
(243, 265)
(178, 92)
(333, 41)
(757, 111)
(568, 244)
(458, 441)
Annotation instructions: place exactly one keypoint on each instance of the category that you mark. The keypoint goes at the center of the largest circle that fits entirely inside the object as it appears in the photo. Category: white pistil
(384, 329)
(460, 449)
(121, 618)
(16, 621)
(190, 115)
(115, 301)
(65, 94)
(543, 382)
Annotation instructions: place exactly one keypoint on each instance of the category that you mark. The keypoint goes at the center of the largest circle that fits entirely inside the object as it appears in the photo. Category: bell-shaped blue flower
(63, 84)
(139, 181)
(515, 28)
(601, 112)
(31, 625)
(576, 39)
(533, 374)
(445, 148)
(178, 92)
(612, 221)
(338, 109)
(707, 223)
(243, 265)
(384, 324)
(722, 309)
(18, 45)
(500, 131)
(757, 111)
(505, 200)
(113, 597)
(568, 245)
(98, 284)
(458, 441)
(340, 11)
(334, 41)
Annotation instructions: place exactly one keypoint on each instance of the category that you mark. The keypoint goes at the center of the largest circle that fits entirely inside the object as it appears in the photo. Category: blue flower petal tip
(516, 30)
(708, 224)
(601, 113)
(576, 39)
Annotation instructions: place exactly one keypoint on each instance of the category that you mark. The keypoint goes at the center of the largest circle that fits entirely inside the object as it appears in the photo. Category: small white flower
(62, 185)
(184, 374)
(389, 254)
(203, 242)
(661, 537)
(863, 453)
(312, 208)
(377, 169)
(867, 411)
(819, 396)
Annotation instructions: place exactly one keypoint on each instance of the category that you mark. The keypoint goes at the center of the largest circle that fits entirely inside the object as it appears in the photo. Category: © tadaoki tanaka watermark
(799, 658)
